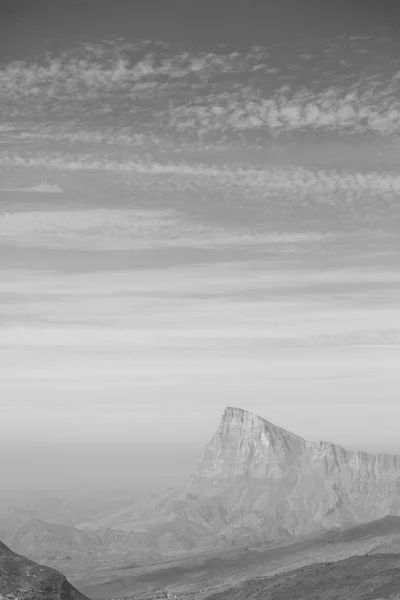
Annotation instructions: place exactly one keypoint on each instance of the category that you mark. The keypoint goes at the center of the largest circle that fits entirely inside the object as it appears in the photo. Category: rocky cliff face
(273, 483)
(246, 446)
(24, 579)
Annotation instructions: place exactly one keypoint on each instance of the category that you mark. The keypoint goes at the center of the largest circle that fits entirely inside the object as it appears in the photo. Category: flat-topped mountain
(24, 579)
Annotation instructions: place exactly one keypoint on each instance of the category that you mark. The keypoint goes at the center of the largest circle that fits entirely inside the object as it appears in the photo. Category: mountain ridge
(249, 416)
(258, 482)
(272, 480)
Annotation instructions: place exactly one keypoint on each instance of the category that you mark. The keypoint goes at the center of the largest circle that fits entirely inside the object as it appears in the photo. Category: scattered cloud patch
(280, 179)
(166, 89)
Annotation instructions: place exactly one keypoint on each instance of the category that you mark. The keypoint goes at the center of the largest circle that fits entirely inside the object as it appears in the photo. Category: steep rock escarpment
(272, 483)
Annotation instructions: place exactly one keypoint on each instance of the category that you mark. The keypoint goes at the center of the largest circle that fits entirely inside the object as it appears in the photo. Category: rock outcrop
(24, 579)
(270, 483)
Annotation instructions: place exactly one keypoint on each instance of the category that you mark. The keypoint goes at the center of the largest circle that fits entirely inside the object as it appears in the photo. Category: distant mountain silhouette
(24, 579)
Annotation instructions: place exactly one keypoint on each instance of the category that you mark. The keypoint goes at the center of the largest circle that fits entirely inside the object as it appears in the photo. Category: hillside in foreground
(198, 576)
(358, 578)
(26, 580)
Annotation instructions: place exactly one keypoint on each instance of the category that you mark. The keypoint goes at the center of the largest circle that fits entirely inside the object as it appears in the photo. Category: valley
(262, 502)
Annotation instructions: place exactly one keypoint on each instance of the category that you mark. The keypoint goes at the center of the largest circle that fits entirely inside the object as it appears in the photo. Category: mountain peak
(248, 447)
(240, 416)
(273, 478)
(259, 482)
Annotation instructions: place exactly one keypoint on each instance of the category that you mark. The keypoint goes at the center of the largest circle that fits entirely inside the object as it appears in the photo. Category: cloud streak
(250, 202)
(183, 342)
(271, 178)
(216, 307)
(279, 178)
(126, 230)
(41, 188)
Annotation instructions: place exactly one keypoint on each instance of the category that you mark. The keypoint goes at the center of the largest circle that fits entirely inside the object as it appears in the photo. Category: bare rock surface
(275, 484)
(26, 580)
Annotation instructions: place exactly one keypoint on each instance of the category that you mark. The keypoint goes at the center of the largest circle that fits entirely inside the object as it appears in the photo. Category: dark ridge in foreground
(370, 577)
(24, 579)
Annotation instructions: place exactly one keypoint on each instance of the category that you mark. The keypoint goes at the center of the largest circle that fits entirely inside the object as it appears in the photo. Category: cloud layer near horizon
(116, 355)
(244, 305)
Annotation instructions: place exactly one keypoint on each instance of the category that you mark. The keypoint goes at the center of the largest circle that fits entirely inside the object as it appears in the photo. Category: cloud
(41, 188)
(187, 196)
(203, 93)
(219, 279)
(129, 229)
(280, 179)
(220, 307)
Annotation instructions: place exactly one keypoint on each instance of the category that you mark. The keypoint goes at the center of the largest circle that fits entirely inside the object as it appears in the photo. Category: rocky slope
(199, 576)
(24, 579)
(358, 578)
(257, 481)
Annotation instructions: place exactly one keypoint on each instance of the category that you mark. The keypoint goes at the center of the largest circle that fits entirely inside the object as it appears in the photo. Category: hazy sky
(190, 221)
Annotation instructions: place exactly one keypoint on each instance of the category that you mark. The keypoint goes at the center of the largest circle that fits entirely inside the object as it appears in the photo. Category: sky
(199, 207)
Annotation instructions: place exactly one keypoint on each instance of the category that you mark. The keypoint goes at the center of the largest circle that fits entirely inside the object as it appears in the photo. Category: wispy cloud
(188, 341)
(209, 280)
(223, 304)
(221, 92)
(187, 196)
(41, 188)
(116, 230)
(279, 179)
